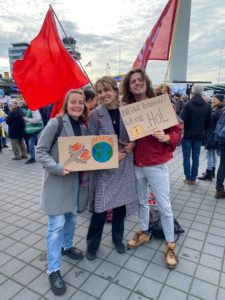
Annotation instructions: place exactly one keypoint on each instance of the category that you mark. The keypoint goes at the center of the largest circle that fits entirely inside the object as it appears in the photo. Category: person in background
(60, 187)
(7, 103)
(24, 108)
(164, 88)
(178, 103)
(3, 115)
(46, 113)
(16, 123)
(211, 145)
(220, 177)
(206, 98)
(90, 99)
(151, 155)
(184, 98)
(2, 120)
(197, 118)
(115, 188)
(34, 125)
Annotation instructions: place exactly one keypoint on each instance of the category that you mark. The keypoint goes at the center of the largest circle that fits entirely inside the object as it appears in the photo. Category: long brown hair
(127, 96)
(83, 117)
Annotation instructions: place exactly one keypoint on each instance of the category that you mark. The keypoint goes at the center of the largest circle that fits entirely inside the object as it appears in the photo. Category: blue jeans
(211, 156)
(32, 143)
(60, 234)
(158, 179)
(4, 141)
(191, 148)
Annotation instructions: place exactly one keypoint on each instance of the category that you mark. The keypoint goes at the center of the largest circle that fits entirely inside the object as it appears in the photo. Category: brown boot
(220, 194)
(139, 239)
(187, 181)
(171, 258)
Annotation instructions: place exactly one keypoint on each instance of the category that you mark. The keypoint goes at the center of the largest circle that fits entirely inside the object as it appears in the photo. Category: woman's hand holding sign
(161, 136)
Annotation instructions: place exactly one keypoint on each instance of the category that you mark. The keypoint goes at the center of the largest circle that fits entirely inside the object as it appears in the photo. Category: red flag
(157, 45)
(47, 71)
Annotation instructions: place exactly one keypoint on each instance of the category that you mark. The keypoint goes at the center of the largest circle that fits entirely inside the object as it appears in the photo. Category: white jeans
(158, 179)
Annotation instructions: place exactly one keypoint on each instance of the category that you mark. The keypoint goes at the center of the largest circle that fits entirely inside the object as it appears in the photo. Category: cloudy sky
(114, 31)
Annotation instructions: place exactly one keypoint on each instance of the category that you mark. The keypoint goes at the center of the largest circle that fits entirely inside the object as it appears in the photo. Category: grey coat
(114, 187)
(59, 193)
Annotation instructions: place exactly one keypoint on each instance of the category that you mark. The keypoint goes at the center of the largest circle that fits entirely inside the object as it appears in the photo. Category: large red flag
(157, 45)
(47, 71)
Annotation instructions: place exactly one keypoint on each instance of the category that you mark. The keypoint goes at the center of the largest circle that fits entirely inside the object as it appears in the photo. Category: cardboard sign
(144, 117)
(84, 153)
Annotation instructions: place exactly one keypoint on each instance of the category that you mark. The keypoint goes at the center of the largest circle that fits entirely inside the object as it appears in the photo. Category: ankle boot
(220, 194)
(207, 176)
(170, 256)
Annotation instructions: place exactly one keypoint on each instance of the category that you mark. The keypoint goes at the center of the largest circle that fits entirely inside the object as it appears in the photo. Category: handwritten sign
(83, 153)
(144, 117)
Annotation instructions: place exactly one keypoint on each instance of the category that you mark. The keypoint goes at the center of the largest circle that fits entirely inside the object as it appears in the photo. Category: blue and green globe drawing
(102, 152)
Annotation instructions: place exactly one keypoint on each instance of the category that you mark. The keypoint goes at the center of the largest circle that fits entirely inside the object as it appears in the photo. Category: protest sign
(83, 153)
(144, 117)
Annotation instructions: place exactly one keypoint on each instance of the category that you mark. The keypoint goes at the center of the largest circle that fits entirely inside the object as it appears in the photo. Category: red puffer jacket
(150, 152)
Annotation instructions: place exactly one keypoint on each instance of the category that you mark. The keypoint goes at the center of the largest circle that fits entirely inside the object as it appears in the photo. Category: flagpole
(173, 40)
(71, 47)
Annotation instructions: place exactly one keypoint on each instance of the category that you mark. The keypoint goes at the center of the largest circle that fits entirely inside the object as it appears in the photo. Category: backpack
(220, 129)
(155, 226)
(58, 131)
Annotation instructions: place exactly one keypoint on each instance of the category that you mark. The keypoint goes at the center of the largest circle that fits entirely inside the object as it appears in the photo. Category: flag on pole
(89, 64)
(157, 45)
(47, 71)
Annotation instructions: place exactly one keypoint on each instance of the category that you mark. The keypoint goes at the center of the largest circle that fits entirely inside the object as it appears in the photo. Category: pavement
(139, 274)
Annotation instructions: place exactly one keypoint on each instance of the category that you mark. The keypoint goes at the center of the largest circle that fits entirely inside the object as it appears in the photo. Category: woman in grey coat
(112, 188)
(60, 187)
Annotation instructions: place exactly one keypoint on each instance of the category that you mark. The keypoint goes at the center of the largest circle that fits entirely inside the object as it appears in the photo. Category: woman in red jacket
(151, 155)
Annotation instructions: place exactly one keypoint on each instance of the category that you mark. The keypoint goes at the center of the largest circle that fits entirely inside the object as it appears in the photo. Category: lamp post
(119, 57)
(220, 63)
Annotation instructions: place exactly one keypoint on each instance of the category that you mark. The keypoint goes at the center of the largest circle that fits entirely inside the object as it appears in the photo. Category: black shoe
(30, 161)
(120, 247)
(73, 253)
(5, 146)
(57, 284)
(207, 176)
(90, 255)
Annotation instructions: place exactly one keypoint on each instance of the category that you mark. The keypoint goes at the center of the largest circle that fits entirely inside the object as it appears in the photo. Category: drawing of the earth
(102, 152)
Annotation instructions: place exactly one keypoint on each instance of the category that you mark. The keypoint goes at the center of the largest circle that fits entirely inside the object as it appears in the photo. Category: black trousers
(221, 171)
(96, 226)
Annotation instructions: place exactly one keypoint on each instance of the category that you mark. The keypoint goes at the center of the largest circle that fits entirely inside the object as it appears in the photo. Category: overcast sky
(106, 30)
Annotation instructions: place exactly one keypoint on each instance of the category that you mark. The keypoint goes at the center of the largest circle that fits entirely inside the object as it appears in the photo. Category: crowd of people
(142, 164)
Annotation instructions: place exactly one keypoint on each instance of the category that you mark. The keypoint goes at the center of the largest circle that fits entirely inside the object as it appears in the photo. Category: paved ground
(137, 275)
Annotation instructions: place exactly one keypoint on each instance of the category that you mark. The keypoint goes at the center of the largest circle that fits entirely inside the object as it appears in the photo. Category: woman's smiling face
(75, 106)
(137, 84)
(106, 94)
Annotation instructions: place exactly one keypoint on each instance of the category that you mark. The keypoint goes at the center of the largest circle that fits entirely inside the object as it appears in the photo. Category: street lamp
(220, 64)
